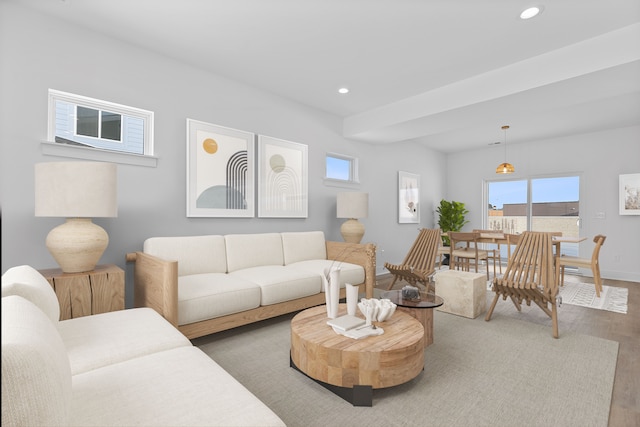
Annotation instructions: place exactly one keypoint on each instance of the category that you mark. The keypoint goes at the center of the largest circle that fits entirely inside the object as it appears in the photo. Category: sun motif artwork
(277, 163)
(210, 145)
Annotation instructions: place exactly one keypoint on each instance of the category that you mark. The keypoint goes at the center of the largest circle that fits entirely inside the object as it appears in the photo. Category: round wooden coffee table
(353, 368)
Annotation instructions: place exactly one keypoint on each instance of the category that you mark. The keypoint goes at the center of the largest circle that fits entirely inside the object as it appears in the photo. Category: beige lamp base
(77, 245)
(352, 231)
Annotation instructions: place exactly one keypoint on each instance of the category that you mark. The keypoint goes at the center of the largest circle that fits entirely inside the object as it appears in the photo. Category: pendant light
(505, 167)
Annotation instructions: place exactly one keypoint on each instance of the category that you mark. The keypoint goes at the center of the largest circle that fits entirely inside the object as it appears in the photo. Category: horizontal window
(89, 123)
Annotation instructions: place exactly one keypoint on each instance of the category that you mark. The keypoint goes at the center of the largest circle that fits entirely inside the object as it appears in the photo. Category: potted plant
(452, 217)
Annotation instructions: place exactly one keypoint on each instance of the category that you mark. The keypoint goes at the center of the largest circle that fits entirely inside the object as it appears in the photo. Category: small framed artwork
(408, 198)
(282, 178)
(630, 194)
(220, 165)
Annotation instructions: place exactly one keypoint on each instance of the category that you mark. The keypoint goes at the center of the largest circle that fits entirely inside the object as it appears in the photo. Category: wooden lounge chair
(530, 276)
(418, 266)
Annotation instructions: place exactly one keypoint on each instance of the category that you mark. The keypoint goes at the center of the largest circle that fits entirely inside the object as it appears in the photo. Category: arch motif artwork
(282, 178)
(220, 164)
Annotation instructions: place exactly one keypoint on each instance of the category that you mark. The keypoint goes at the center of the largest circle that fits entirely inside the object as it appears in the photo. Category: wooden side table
(90, 292)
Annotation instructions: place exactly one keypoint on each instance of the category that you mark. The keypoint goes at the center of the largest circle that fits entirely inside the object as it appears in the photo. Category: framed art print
(282, 178)
(220, 164)
(408, 198)
(630, 194)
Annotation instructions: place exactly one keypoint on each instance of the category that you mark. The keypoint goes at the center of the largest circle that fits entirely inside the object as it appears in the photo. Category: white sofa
(123, 368)
(206, 284)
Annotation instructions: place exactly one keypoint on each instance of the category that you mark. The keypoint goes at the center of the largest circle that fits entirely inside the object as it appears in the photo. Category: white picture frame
(629, 194)
(282, 178)
(220, 171)
(408, 198)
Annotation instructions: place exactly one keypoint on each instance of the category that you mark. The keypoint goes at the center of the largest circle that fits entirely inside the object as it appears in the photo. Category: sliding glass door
(537, 204)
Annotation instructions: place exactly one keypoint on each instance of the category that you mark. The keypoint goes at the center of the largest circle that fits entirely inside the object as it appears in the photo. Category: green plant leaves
(452, 217)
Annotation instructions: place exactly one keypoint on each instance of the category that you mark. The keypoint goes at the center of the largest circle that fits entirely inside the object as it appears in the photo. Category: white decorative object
(377, 310)
(361, 332)
(332, 292)
(352, 298)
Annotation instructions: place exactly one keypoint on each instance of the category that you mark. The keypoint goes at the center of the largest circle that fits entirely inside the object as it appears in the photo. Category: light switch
(600, 215)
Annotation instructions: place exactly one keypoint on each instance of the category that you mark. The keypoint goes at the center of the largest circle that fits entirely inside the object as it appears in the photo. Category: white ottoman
(464, 293)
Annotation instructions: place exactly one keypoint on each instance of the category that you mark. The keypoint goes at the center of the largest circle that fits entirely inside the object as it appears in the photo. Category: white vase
(352, 298)
(332, 293)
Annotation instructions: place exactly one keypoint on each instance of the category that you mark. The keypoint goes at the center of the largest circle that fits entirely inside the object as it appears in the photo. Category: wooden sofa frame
(156, 286)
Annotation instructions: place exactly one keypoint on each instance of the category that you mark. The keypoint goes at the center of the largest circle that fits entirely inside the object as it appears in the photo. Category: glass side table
(420, 308)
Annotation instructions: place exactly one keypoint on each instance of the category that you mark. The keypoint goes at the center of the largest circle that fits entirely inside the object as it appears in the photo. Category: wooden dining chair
(494, 251)
(464, 250)
(530, 277)
(593, 263)
(418, 266)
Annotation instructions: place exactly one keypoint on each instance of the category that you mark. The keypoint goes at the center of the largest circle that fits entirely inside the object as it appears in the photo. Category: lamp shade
(76, 189)
(352, 205)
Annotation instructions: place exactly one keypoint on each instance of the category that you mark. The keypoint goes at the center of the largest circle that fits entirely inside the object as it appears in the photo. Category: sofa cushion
(253, 250)
(206, 296)
(303, 246)
(279, 283)
(36, 377)
(123, 335)
(195, 254)
(349, 273)
(27, 282)
(192, 390)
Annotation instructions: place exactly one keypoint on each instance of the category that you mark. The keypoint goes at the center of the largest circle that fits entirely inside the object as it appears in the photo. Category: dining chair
(440, 253)
(494, 251)
(593, 263)
(530, 277)
(464, 249)
(418, 265)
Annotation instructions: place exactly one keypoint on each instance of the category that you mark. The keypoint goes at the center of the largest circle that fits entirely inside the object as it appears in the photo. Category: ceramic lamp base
(352, 231)
(77, 245)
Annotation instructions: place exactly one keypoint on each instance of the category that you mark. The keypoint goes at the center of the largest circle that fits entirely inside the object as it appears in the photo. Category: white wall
(38, 53)
(598, 158)
(152, 200)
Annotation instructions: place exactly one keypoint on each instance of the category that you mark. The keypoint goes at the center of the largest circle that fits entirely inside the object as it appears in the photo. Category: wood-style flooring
(623, 328)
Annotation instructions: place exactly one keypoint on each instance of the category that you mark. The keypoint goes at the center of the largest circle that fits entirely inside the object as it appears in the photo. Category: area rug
(584, 295)
(504, 372)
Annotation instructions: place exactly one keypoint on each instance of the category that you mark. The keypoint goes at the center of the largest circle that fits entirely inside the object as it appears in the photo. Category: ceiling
(445, 73)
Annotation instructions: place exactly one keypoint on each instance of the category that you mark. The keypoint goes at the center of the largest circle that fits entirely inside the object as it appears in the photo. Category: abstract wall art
(630, 194)
(408, 198)
(220, 165)
(282, 178)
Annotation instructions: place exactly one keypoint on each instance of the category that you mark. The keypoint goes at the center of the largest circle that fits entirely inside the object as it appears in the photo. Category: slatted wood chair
(418, 266)
(512, 240)
(593, 263)
(530, 277)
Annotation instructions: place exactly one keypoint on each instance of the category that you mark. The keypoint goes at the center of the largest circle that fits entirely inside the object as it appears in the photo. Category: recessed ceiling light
(530, 12)
(343, 90)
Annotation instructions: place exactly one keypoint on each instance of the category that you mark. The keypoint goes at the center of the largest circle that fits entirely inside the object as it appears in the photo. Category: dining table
(556, 239)
(499, 238)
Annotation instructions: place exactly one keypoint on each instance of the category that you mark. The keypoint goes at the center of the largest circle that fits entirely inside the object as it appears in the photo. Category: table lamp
(78, 191)
(352, 205)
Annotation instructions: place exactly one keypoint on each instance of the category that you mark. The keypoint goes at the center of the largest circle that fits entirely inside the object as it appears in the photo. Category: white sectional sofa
(206, 284)
(123, 368)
